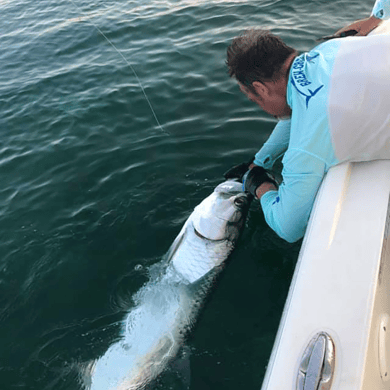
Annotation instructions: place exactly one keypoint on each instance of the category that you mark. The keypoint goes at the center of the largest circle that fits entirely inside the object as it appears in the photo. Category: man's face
(269, 96)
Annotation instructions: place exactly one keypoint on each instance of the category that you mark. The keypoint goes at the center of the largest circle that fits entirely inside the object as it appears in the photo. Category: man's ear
(260, 88)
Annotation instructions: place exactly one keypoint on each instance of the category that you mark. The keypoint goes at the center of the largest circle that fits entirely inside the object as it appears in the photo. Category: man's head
(260, 62)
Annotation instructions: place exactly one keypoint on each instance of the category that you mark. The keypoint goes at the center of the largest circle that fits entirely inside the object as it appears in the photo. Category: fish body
(166, 306)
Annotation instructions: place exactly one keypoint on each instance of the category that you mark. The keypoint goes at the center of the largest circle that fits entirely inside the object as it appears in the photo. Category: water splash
(153, 333)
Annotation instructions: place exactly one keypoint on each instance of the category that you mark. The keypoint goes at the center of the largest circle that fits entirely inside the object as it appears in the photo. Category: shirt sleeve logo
(299, 78)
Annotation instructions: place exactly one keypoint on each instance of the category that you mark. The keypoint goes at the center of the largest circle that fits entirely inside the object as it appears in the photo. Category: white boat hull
(341, 283)
(341, 287)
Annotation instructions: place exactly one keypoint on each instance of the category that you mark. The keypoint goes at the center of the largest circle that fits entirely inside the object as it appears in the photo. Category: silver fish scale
(196, 256)
(167, 304)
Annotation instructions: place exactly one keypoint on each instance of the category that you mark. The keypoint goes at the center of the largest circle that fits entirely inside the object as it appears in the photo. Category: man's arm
(264, 188)
(288, 209)
(275, 146)
(363, 27)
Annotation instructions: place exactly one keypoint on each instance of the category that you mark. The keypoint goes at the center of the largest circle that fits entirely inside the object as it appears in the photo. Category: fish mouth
(207, 238)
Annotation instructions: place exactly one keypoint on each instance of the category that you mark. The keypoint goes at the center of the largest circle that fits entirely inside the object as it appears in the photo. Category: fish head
(222, 214)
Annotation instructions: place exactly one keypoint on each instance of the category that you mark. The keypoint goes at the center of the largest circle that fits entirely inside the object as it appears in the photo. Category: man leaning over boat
(333, 106)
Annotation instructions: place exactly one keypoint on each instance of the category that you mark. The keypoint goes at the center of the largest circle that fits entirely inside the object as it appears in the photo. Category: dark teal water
(93, 192)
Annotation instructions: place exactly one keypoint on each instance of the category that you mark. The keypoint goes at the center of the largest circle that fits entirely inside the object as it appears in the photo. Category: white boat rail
(334, 332)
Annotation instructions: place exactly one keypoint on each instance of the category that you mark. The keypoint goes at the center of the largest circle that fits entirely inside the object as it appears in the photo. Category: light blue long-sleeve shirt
(381, 9)
(339, 113)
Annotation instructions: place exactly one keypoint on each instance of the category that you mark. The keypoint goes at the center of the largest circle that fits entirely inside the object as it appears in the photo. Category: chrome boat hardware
(316, 370)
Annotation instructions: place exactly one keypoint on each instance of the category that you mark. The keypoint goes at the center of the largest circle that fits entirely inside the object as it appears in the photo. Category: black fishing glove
(255, 178)
(238, 171)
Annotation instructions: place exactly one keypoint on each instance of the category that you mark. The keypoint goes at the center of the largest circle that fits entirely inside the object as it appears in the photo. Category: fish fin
(175, 245)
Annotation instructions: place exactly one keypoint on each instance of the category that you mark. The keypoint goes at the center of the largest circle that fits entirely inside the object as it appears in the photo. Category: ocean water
(93, 190)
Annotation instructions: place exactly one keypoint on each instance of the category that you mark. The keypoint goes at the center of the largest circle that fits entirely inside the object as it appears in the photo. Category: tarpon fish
(166, 306)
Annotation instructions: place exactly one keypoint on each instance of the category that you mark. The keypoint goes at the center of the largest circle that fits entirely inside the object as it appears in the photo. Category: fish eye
(240, 201)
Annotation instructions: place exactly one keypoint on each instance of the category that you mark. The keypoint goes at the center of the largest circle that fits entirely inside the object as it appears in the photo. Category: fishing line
(127, 62)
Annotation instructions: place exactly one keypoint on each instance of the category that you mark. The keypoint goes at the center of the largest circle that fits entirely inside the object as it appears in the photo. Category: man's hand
(238, 171)
(263, 188)
(362, 26)
(258, 181)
